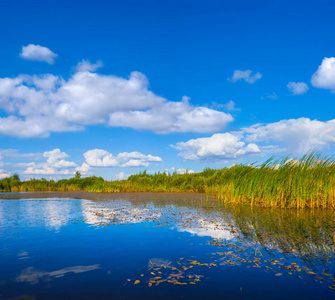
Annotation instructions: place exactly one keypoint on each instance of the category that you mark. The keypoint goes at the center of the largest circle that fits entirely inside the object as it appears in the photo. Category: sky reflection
(34, 276)
(46, 240)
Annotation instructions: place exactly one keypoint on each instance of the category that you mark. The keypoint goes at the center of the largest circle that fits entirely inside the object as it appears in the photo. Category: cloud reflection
(32, 276)
(49, 213)
(119, 213)
(203, 227)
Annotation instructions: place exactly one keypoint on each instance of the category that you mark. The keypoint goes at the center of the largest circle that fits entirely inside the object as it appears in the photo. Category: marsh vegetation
(279, 182)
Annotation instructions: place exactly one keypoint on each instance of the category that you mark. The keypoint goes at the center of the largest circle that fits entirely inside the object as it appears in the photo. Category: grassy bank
(307, 182)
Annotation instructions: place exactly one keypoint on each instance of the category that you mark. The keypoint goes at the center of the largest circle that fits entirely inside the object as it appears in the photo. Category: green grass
(308, 182)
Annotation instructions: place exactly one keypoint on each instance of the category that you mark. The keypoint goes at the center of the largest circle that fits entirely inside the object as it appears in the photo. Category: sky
(113, 88)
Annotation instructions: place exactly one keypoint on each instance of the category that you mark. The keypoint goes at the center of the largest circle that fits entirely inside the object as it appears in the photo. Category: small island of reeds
(283, 182)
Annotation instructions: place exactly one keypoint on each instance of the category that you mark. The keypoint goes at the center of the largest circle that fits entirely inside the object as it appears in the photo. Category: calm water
(84, 249)
(10, 193)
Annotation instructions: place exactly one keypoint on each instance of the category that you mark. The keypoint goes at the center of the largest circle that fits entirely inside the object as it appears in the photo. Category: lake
(166, 246)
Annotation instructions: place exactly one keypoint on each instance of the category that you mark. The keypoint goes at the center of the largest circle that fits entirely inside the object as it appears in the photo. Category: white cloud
(173, 117)
(44, 170)
(34, 106)
(84, 168)
(64, 164)
(39, 53)
(102, 158)
(298, 135)
(86, 65)
(246, 76)
(220, 146)
(297, 88)
(54, 155)
(324, 77)
(120, 176)
(290, 136)
(55, 164)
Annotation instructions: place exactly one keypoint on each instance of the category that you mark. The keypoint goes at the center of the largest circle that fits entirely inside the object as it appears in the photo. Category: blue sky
(111, 88)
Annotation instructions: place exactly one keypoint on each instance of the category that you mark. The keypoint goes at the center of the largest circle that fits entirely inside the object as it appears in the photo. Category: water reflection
(120, 212)
(51, 214)
(158, 262)
(303, 233)
(32, 276)
(216, 229)
(307, 235)
(279, 242)
(23, 255)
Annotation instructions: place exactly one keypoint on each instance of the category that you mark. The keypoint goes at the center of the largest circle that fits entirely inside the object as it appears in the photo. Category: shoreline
(103, 196)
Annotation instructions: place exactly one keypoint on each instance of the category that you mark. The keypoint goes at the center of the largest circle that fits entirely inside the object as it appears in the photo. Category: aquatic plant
(284, 182)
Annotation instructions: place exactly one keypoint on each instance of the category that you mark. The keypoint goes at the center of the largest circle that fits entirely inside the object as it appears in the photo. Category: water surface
(145, 249)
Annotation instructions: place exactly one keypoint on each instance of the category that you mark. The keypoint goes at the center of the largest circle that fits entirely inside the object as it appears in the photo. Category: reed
(283, 182)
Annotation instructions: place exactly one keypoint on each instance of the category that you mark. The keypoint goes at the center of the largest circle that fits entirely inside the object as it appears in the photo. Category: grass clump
(284, 182)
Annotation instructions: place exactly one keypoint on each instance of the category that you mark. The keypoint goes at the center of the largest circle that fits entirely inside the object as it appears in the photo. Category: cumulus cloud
(39, 53)
(298, 135)
(55, 164)
(324, 77)
(84, 168)
(86, 65)
(290, 136)
(44, 170)
(172, 117)
(220, 146)
(9, 158)
(35, 105)
(246, 76)
(297, 88)
(120, 176)
(102, 158)
(54, 155)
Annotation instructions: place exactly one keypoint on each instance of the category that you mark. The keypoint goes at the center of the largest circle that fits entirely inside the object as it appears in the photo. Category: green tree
(16, 177)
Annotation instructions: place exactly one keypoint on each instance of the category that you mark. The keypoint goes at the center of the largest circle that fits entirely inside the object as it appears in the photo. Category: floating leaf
(136, 282)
